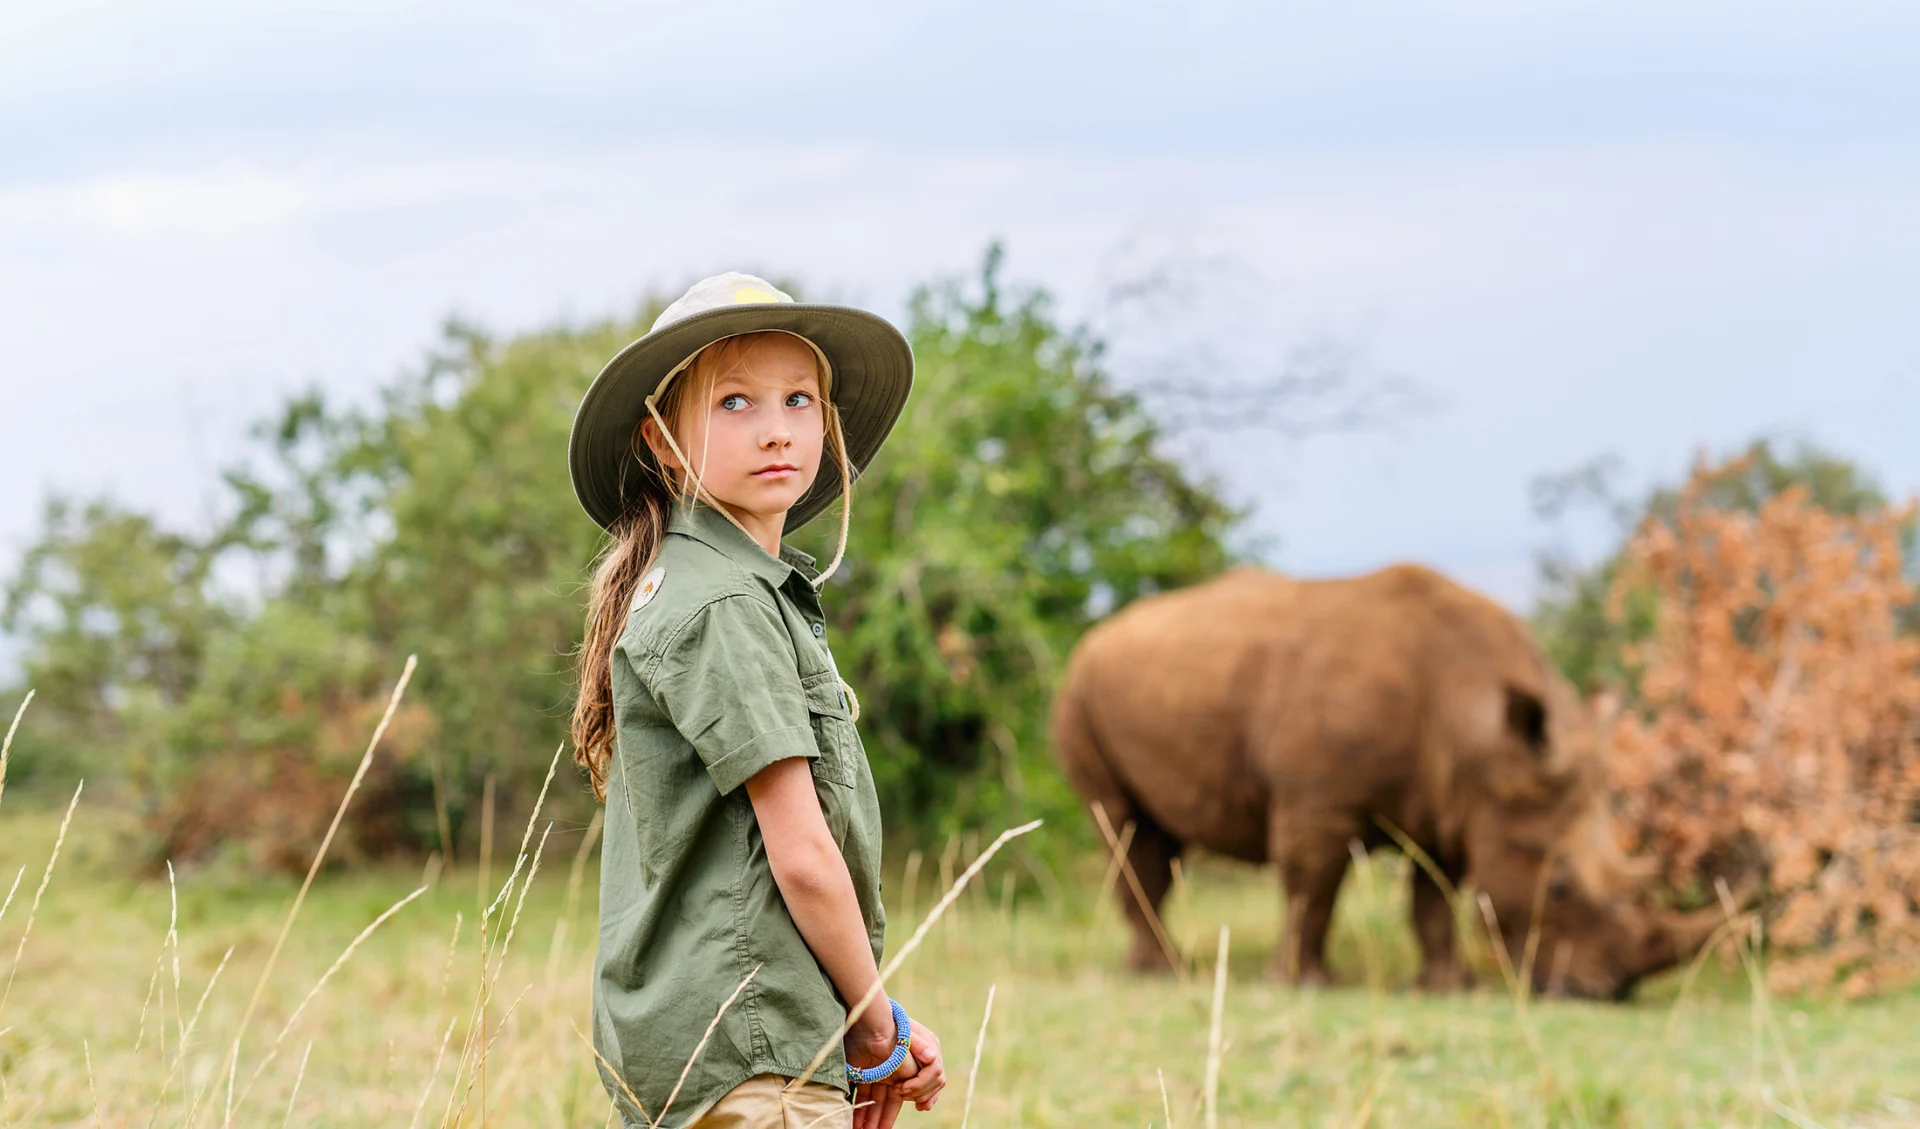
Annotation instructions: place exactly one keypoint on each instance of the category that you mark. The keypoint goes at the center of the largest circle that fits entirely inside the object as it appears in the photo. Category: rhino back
(1253, 698)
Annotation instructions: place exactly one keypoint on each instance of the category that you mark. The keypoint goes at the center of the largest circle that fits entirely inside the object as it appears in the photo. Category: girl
(742, 853)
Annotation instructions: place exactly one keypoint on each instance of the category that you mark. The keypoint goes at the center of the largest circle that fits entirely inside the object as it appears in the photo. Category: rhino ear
(1527, 719)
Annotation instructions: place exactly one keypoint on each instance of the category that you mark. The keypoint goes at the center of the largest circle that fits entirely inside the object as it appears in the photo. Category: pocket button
(819, 630)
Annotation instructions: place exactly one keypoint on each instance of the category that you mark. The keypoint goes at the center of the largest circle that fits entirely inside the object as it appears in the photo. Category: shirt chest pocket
(833, 731)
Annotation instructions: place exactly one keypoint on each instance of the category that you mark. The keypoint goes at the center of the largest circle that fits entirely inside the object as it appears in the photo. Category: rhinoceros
(1278, 720)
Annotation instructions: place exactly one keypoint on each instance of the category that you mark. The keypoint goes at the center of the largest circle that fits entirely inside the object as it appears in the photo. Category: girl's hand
(869, 1041)
(919, 1080)
(867, 1045)
(929, 1077)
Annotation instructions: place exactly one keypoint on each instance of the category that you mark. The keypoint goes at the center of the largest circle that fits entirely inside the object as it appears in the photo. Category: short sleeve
(728, 681)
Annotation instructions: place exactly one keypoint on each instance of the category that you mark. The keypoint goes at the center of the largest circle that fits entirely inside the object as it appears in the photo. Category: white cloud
(1587, 225)
(1642, 298)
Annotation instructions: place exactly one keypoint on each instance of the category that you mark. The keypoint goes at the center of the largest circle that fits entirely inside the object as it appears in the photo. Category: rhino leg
(1440, 967)
(1151, 856)
(1312, 871)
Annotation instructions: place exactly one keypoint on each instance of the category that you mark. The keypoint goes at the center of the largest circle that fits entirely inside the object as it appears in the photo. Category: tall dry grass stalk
(616, 1075)
(1116, 853)
(17, 876)
(1140, 895)
(556, 950)
(475, 1046)
(1166, 1106)
(153, 984)
(1530, 949)
(444, 825)
(86, 1049)
(453, 944)
(1511, 976)
(500, 965)
(347, 954)
(6, 746)
(433, 1075)
(483, 874)
(519, 903)
(232, 1064)
(173, 942)
(1213, 1032)
(186, 1032)
(949, 855)
(1180, 893)
(294, 1094)
(1364, 1116)
(701, 1046)
(1765, 1025)
(1687, 980)
(910, 884)
(1369, 946)
(920, 934)
(821, 1119)
(476, 1020)
(34, 909)
(979, 1049)
(540, 801)
(970, 845)
(1457, 902)
(1519, 989)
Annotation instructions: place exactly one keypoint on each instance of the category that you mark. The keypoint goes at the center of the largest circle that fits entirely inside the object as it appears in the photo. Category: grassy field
(1073, 1041)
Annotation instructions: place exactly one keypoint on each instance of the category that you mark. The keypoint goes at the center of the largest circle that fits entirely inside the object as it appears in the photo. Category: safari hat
(869, 363)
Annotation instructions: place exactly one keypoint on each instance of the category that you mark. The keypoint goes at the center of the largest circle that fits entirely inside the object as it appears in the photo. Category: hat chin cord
(701, 492)
(846, 511)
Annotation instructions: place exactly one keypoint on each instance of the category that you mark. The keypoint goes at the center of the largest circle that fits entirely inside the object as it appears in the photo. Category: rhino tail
(1077, 748)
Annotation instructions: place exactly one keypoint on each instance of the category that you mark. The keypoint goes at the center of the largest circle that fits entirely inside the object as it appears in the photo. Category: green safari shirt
(722, 669)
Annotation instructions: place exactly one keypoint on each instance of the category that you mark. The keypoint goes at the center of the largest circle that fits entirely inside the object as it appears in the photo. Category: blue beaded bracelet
(902, 1036)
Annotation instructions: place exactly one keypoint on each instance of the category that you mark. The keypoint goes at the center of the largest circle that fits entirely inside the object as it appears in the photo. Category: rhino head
(1556, 892)
(1573, 939)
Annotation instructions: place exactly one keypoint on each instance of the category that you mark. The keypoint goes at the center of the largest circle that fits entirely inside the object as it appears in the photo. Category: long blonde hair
(633, 540)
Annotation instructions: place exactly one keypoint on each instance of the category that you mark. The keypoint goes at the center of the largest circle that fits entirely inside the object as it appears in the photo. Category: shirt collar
(711, 528)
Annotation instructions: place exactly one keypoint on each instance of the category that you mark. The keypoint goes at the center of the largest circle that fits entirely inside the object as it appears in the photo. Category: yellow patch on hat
(747, 295)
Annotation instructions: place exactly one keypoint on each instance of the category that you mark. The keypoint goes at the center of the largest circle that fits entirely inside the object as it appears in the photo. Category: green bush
(1021, 497)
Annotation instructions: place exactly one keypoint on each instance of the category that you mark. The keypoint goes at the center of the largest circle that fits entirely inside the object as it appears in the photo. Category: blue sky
(1586, 228)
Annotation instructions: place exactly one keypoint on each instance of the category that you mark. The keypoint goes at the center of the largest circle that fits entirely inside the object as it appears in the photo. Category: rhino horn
(1677, 937)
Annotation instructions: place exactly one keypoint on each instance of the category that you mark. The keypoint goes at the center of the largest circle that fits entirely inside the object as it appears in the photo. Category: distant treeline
(225, 681)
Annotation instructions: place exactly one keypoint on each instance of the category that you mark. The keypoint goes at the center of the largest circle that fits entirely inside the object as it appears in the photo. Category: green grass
(1074, 1041)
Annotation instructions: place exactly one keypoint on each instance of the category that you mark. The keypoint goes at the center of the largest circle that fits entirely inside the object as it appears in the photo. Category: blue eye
(799, 399)
(733, 403)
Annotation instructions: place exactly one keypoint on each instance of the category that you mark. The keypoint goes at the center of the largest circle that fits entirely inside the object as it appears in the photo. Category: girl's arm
(813, 880)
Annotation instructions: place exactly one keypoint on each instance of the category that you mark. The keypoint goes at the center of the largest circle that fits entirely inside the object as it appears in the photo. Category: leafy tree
(1021, 497)
(118, 614)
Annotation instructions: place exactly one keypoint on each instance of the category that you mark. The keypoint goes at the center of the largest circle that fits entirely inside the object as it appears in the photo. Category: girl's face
(753, 424)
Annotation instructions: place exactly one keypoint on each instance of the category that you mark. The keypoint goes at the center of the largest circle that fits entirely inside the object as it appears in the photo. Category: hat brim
(872, 374)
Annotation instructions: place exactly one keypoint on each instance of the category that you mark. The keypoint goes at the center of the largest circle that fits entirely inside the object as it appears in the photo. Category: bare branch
(1184, 334)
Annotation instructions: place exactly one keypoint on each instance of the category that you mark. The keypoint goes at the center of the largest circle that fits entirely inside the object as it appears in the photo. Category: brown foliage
(1774, 739)
(271, 805)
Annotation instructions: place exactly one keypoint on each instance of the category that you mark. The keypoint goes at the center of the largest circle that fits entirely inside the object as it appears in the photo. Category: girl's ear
(657, 443)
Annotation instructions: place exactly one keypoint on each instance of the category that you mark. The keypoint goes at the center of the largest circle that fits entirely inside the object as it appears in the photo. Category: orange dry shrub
(1774, 739)
(267, 806)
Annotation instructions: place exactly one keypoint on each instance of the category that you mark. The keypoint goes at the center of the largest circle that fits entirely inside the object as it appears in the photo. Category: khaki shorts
(764, 1102)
